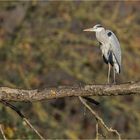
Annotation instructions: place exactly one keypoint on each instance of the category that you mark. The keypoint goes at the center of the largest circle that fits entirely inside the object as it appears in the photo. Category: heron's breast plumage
(102, 36)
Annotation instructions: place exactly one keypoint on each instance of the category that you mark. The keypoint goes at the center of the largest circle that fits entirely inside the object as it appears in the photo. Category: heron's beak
(89, 30)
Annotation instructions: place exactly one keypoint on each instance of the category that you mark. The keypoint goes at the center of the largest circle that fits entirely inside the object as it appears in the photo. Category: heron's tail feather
(117, 68)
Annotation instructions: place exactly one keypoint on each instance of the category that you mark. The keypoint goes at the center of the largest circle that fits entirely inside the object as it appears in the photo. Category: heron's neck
(101, 36)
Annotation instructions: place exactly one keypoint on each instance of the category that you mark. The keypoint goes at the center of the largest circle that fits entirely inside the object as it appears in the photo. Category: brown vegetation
(42, 44)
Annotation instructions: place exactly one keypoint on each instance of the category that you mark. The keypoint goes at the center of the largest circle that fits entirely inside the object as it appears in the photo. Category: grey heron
(110, 48)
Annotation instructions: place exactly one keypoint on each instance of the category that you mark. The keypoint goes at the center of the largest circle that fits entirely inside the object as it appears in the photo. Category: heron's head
(96, 28)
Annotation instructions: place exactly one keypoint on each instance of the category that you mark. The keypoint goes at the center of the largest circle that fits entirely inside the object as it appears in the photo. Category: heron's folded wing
(115, 46)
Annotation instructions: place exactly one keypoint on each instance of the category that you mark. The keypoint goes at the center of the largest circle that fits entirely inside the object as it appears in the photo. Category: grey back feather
(115, 46)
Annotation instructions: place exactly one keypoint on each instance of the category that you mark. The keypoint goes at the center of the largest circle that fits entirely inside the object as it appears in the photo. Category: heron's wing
(115, 46)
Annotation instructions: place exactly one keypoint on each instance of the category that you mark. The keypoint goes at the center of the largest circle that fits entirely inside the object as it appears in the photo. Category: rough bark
(14, 94)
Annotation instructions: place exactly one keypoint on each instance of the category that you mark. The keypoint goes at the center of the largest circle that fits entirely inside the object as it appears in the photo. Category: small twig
(97, 130)
(2, 132)
(31, 126)
(22, 116)
(99, 118)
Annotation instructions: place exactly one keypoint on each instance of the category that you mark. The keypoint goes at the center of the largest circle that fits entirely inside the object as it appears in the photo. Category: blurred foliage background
(42, 44)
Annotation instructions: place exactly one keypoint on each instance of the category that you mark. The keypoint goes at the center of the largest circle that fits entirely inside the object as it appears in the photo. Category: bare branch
(13, 94)
(97, 130)
(22, 116)
(31, 126)
(2, 132)
(99, 119)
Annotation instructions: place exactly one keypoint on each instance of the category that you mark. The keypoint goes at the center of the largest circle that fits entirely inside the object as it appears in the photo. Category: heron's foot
(109, 83)
(114, 83)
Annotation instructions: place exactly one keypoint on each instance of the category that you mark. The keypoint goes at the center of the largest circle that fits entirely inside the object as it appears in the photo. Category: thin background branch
(23, 117)
(99, 119)
(2, 132)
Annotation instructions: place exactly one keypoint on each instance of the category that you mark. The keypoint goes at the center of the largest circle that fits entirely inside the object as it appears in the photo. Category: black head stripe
(109, 33)
(99, 26)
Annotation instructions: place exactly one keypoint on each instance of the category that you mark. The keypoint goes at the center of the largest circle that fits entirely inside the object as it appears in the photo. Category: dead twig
(23, 117)
(2, 132)
(31, 126)
(99, 118)
(97, 130)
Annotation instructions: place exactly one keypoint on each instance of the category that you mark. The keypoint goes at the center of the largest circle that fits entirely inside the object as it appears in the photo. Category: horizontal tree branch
(14, 94)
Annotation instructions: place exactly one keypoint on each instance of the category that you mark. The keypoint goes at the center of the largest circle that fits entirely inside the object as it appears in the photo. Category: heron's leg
(109, 68)
(114, 75)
